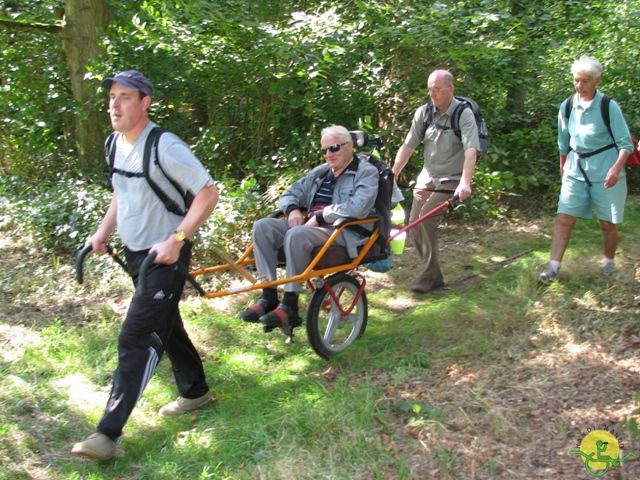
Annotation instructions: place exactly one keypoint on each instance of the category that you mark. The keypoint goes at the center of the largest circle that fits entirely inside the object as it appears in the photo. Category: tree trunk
(85, 22)
(516, 90)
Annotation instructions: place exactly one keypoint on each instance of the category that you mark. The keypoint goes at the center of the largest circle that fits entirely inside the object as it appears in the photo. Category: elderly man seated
(342, 187)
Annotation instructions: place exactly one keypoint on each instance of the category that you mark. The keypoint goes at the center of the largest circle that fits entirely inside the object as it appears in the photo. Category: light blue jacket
(585, 132)
(354, 196)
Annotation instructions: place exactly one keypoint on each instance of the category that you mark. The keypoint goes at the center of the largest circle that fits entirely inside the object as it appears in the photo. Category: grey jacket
(354, 196)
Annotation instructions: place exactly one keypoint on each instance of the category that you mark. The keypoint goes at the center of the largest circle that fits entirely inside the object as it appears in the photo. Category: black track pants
(152, 326)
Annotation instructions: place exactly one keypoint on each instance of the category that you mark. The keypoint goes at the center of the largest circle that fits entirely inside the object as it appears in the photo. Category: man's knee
(608, 227)
(129, 341)
(564, 220)
(262, 225)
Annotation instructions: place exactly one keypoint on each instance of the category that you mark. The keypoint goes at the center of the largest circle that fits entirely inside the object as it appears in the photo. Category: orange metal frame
(245, 260)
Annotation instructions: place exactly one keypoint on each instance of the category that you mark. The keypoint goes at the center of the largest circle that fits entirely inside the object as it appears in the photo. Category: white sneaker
(184, 405)
(549, 275)
(97, 447)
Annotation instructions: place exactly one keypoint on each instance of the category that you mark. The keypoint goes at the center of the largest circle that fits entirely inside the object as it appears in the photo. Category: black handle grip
(144, 266)
(83, 251)
(182, 269)
(80, 256)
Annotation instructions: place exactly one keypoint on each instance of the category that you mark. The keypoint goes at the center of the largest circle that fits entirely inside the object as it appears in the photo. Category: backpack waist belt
(591, 154)
(595, 152)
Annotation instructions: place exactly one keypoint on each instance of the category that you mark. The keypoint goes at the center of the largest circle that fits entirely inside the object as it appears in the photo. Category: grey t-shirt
(443, 150)
(142, 218)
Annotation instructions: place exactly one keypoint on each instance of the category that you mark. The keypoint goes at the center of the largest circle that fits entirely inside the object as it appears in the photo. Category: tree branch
(32, 26)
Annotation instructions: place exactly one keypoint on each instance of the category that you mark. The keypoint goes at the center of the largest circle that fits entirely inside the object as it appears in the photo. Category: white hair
(341, 132)
(589, 65)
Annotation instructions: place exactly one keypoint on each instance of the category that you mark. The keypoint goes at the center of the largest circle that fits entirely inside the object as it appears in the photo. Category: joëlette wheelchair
(337, 313)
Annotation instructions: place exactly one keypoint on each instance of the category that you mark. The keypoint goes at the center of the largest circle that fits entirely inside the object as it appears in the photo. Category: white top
(142, 219)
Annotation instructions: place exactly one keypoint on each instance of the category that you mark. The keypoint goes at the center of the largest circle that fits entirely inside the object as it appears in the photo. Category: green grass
(474, 382)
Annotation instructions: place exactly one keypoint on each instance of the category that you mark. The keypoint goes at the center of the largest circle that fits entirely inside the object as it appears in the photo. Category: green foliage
(35, 98)
(249, 84)
(230, 225)
(58, 215)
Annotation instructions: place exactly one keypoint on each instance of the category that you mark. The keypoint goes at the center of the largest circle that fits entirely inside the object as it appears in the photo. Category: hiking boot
(609, 270)
(282, 316)
(254, 312)
(184, 405)
(97, 447)
(549, 275)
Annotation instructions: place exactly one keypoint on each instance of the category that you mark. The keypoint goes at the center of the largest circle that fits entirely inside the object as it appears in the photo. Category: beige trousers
(424, 236)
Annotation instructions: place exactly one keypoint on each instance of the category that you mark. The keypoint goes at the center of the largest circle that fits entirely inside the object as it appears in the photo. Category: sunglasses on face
(333, 148)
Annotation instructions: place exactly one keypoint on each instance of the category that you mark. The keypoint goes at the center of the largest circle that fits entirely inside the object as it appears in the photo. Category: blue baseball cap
(130, 79)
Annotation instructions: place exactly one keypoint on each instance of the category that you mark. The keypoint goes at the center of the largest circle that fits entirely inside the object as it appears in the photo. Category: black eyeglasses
(333, 148)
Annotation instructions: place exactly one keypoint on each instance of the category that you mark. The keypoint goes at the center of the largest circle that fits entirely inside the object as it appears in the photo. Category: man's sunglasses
(333, 148)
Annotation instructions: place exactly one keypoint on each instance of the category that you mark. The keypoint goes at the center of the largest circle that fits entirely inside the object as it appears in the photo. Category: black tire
(328, 330)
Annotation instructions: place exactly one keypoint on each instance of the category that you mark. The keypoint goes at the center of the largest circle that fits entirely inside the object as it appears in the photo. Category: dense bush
(58, 215)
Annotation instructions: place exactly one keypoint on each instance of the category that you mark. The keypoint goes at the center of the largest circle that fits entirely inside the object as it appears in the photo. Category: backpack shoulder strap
(606, 116)
(568, 106)
(457, 112)
(428, 116)
(151, 145)
(110, 155)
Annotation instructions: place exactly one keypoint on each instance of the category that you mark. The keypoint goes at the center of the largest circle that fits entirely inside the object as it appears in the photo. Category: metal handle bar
(86, 250)
(447, 203)
(182, 269)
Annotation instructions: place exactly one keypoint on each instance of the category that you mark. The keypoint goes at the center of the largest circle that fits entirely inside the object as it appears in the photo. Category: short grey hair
(589, 65)
(445, 74)
(341, 132)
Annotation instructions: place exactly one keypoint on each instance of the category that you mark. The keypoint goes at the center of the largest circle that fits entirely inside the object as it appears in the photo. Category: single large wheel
(331, 326)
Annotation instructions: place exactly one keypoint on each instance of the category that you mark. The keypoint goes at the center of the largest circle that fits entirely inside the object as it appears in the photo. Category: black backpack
(465, 102)
(383, 198)
(150, 144)
(382, 204)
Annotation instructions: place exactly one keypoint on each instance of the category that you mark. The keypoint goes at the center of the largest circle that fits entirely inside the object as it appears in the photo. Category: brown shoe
(97, 447)
(184, 405)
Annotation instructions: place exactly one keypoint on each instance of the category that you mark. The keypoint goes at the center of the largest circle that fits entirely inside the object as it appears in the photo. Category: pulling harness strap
(151, 144)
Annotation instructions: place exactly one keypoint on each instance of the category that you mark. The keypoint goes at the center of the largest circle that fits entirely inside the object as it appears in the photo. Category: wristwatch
(180, 235)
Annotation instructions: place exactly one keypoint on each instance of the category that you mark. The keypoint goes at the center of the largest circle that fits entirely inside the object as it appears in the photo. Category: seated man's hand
(295, 218)
(312, 222)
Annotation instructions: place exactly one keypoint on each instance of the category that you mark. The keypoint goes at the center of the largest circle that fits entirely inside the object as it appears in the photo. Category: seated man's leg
(268, 238)
(299, 243)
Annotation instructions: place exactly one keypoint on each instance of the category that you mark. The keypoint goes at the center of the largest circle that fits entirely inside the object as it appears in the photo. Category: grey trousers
(424, 236)
(271, 234)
